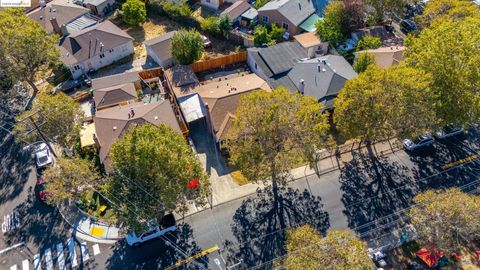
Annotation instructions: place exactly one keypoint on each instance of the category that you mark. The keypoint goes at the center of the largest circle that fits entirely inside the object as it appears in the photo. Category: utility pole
(39, 131)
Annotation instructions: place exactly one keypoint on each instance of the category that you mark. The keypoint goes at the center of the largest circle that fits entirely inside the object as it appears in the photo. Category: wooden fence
(219, 61)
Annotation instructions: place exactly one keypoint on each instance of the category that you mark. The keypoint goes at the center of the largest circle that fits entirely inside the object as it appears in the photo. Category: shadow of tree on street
(374, 189)
(259, 225)
(159, 253)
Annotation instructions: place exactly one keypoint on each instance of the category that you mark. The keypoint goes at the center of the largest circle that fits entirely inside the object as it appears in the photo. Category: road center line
(12, 247)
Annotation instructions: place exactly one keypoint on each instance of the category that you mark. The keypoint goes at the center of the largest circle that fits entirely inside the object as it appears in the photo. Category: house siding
(165, 63)
(96, 62)
(257, 70)
(276, 17)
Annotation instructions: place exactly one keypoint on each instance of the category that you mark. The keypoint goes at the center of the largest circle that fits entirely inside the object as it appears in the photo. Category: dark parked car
(448, 131)
(420, 142)
(408, 26)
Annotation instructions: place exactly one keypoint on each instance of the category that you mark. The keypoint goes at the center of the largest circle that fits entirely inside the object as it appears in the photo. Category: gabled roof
(308, 39)
(84, 44)
(161, 45)
(64, 11)
(236, 9)
(114, 95)
(183, 80)
(278, 58)
(112, 80)
(321, 77)
(111, 123)
(386, 56)
(294, 10)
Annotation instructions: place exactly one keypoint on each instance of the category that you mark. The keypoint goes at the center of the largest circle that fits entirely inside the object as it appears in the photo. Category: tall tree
(354, 15)
(381, 103)
(261, 35)
(68, 178)
(224, 24)
(450, 52)
(272, 129)
(363, 61)
(368, 42)
(153, 169)
(382, 7)
(330, 28)
(188, 46)
(445, 217)
(340, 249)
(439, 11)
(134, 12)
(60, 118)
(25, 47)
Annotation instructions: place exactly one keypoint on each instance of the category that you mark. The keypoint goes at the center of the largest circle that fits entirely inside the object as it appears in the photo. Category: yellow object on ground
(103, 208)
(196, 256)
(95, 231)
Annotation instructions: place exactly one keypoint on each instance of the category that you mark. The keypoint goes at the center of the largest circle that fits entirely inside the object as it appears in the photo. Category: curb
(323, 172)
(86, 236)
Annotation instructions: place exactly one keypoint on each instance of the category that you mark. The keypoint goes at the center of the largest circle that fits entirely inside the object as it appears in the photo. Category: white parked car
(152, 232)
(422, 141)
(448, 131)
(43, 156)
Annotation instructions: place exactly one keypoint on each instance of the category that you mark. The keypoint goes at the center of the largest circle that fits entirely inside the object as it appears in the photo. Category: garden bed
(96, 206)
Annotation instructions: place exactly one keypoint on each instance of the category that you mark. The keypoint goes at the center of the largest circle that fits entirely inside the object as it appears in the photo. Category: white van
(152, 232)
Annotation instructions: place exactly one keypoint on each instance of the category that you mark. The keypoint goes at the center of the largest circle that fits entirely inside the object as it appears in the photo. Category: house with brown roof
(311, 42)
(94, 47)
(115, 95)
(160, 49)
(235, 11)
(53, 15)
(112, 123)
(385, 56)
(216, 99)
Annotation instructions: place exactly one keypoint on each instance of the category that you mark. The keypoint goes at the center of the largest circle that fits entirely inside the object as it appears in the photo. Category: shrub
(134, 12)
(369, 42)
(176, 10)
(210, 25)
(188, 46)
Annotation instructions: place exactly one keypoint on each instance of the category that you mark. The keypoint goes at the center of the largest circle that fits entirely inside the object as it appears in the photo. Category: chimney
(56, 27)
(301, 86)
(132, 112)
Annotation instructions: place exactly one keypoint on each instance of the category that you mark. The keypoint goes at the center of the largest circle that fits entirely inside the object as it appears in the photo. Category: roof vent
(132, 112)
(41, 17)
(302, 81)
(324, 70)
(114, 128)
(156, 117)
(324, 61)
(319, 68)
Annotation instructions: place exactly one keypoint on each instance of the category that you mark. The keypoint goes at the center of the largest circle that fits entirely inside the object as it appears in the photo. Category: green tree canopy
(340, 249)
(452, 216)
(68, 177)
(363, 61)
(272, 129)
(151, 169)
(224, 24)
(260, 3)
(276, 32)
(134, 12)
(261, 35)
(188, 46)
(176, 10)
(381, 103)
(60, 118)
(368, 42)
(25, 47)
(438, 11)
(382, 7)
(210, 25)
(450, 52)
(330, 28)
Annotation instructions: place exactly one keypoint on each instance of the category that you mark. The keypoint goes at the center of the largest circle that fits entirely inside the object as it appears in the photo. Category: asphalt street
(366, 195)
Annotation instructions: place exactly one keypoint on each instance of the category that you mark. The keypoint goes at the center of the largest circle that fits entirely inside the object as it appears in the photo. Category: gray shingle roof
(294, 10)
(161, 45)
(322, 77)
(279, 58)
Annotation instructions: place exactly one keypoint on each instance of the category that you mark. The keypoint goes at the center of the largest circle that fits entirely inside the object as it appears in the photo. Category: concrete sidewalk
(225, 190)
(85, 228)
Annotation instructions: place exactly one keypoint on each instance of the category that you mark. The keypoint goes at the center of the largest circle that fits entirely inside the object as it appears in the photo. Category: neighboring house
(160, 49)
(312, 43)
(249, 18)
(215, 99)
(115, 95)
(94, 48)
(322, 77)
(215, 4)
(112, 123)
(272, 63)
(386, 56)
(56, 13)
(235, 11)
(290, 14)
(98, 7)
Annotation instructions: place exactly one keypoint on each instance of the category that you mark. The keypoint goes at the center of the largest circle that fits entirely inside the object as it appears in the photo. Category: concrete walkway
(85, 228)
